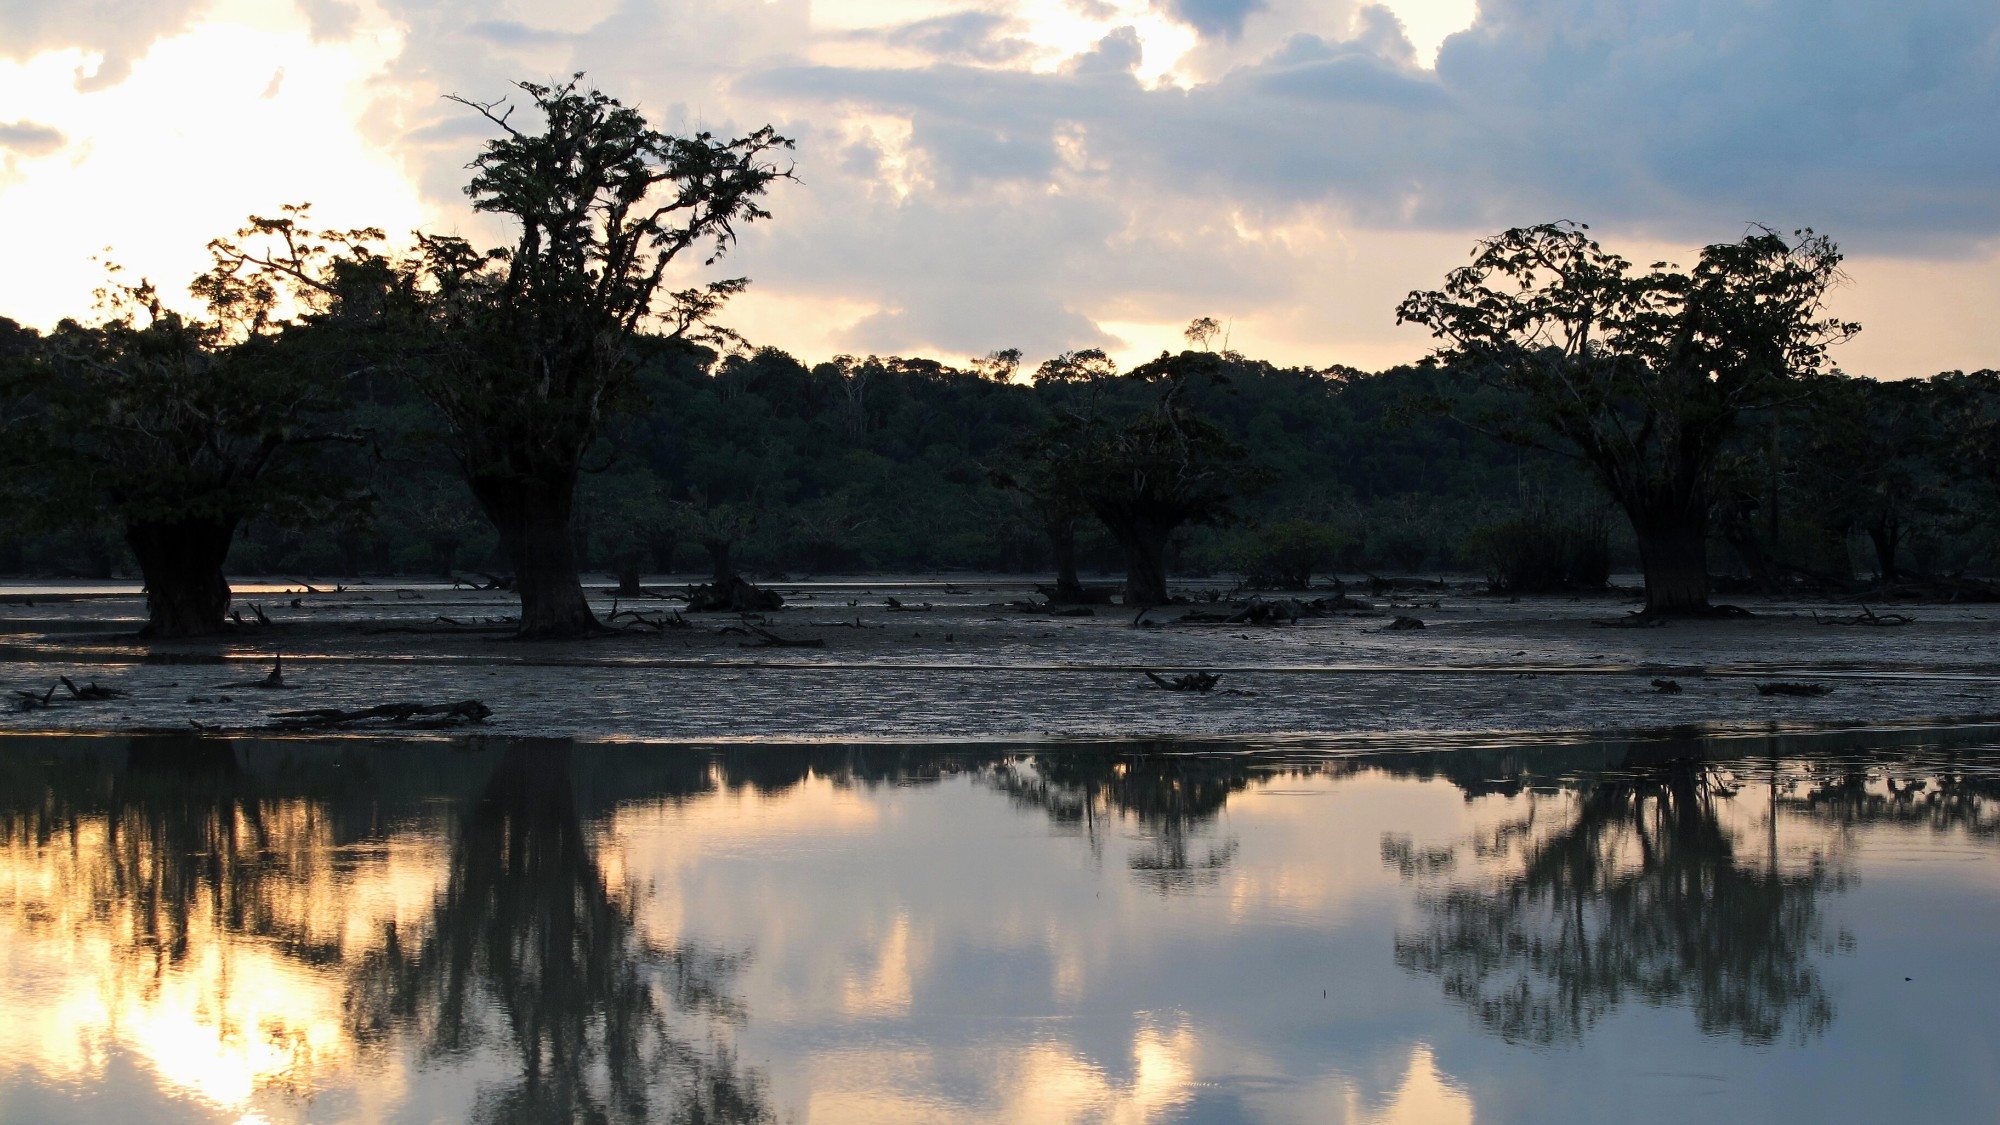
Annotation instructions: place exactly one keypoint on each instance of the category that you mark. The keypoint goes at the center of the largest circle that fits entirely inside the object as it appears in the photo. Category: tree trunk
(1673, 550)
(1062, 541)
(532, 515)
(444, 553)
(1887, 538)
(628, 582)
(718, 555)
(1145, 562)
(663, 552)
(181, 562)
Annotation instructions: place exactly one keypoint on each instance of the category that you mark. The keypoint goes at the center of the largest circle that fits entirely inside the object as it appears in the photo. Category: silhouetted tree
(1642, 375)
(526, 351)
(179, 428)
(1154, 472)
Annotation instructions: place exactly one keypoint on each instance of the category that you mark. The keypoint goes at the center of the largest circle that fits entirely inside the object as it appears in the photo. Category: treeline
(350, 405)
(755, 461)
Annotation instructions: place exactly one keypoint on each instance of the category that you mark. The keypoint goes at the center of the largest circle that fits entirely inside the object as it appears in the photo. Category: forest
(521, 415)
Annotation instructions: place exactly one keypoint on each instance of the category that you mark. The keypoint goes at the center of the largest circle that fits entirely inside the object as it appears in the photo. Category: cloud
(514, 33)
(1220, 18)
(983, 176)
(115, 32)
(975, 36)
(30, 139)
(1879, 123)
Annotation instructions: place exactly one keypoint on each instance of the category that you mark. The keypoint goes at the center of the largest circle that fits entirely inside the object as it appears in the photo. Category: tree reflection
(1174, 798)
(530, 947)
(258, 907)
(1644, 895)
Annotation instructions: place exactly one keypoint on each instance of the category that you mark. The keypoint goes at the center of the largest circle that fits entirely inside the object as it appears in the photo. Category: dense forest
(528, 413)
(755, 460)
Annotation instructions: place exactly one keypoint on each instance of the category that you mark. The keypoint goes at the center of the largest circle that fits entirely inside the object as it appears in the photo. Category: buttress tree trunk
(1145, 545)
(1062, 542)
(723, 566)
(532, 515)
(181, 561)
(1673, 551)
(1887, 538)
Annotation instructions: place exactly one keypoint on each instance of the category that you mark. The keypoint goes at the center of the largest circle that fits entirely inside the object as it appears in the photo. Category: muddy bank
(958, 660)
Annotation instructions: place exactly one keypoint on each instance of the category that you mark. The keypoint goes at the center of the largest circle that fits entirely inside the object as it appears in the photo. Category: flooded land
(967, 863)
(961, 660)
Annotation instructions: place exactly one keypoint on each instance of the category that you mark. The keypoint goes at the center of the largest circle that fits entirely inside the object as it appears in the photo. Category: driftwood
(437, 714)
(1630, 621)
(734, 596)
(768, 639)
(275, 681)
(493, 582)
(89, 693)
(1083, 595)
(1866, 617)
(1192, 681)
(1273, 611)
(658, 622)
(1377, 585)
(897, 606)
(1793, 689)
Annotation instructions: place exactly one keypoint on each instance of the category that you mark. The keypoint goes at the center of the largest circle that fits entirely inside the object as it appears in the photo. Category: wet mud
(960, 660)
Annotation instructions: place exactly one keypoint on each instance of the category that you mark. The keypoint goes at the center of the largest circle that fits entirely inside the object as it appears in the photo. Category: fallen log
(43, 701)
(440, 714)
(768, 639)
(734, 596)
(1793, 689)
(275, 681)
(1191, 681)
(90, 692)
(1866, 617)
(659, 622)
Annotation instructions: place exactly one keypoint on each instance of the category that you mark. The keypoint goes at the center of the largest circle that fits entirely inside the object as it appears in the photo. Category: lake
(1750, 926)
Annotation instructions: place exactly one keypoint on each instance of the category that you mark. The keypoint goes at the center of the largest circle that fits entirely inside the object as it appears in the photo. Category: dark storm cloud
(29, 138)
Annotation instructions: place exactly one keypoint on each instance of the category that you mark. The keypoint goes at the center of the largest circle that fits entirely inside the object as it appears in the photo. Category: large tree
(178, 428)
(1153, 471)
(527, 350)
(1642, 374)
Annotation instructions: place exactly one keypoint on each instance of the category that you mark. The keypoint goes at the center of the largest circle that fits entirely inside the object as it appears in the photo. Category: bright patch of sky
(240, 114)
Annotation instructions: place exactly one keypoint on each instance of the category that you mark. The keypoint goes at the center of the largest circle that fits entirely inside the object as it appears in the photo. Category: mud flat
(961, 660)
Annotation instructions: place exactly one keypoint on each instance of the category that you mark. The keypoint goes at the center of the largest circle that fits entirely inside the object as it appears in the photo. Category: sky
(1058, 174)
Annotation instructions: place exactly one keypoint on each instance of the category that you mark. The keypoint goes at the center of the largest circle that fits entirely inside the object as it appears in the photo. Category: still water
(1752, 928)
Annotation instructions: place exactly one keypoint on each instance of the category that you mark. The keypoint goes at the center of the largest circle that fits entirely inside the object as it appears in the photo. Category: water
(1748, 927)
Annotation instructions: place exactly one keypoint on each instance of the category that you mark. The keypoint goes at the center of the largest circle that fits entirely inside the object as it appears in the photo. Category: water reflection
(1638, 892)
(529, 946)
(1172, 798)
(529, 931)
